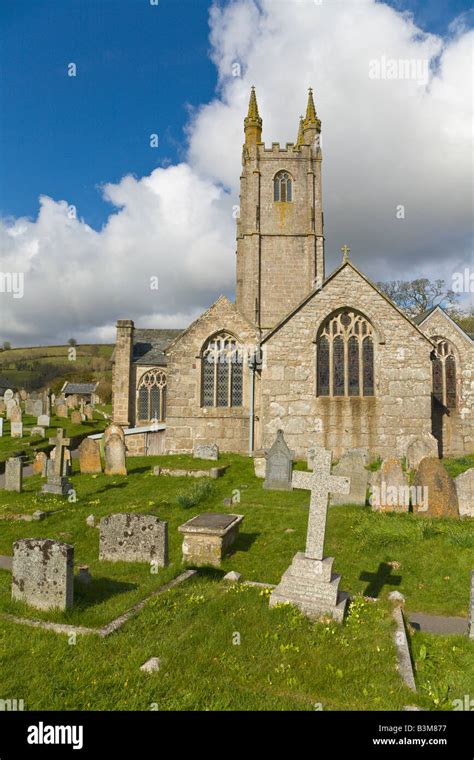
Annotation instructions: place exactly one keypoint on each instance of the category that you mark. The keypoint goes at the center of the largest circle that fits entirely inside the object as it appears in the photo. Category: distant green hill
(49, 366)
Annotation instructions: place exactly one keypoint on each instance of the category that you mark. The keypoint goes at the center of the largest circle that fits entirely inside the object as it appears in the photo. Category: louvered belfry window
(222, 372)
(151, 401)
(345, 356)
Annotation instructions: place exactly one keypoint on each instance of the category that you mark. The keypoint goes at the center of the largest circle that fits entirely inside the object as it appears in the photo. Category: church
(328, 359)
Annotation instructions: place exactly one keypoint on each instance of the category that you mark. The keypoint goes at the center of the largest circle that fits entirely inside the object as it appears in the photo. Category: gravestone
(38, 430)
(61, 410)
(113, 429)
(76, 417)
(464, 484)
(279, 465)
(88, 412)
(39, 464)
(1, 427)
(3, 407)
(57, 482)
(71, 401)
(206, 451)
(46, 399)
(309, 582)
(8, 395)
(352, 466)
(23, 394)
(16, 414)
(13, 475)
(44, 420)
(12, 409)
(89, 457)
(471, 609)
(29, 406)
(207, 537)
(440, 488)
(420, 448)
(131, 537)
(310, 454)
(37, 408)
(115, 456)
(389, 488)
(67, 461)
(43, 573)
(16, 429)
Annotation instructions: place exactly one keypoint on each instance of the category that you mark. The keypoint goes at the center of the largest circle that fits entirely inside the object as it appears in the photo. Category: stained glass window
(444, 373)
(438, 379)
(353, 365)
(368, 366)
(222, 372)
(338, 363)
(345, 356)
(150, 398)
(323, 366)
(450, 382)
(282, 187)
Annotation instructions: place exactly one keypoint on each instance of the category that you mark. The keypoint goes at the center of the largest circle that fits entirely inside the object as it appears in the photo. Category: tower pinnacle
(253, 121)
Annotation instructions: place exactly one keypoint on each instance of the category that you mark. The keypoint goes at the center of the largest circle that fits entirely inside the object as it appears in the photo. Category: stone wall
(458, 426)
(122, 388)
(187, 422)
(385, 423)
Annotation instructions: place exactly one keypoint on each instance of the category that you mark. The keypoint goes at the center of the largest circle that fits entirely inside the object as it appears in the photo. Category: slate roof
(149, 345)
(79, 388)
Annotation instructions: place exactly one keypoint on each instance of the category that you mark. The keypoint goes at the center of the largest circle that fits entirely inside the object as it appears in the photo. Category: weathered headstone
(115, 456)
(13, 475)
(8, 395)
(3, 407)
(57, 482)
(38, 430)
(37, 408)
(44, 420)
(420, 448)
(61, 410)
(43, 573)
(71, 401)
(76, 417)
(131, 537)
(351, 465)
(464, 484)
(88, 412)
(113, 429)
(279, 465)
(309, 582)
(89, 456)
(16, 429)
(39, 463)
(23, 394)
(206, 451)
(67, 461)
(14, 412)
(29, 403)
(440, 489)
(389, 488)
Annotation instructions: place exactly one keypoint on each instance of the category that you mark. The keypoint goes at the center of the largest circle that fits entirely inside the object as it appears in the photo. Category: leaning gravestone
(309, 582)
(57, 482)
(206, 451)
(279, 465)
(76, 417)
(464, 484)
(89, 457)
(440, 489)
(351, 465)
(389, 488)
(39, 464)
(43, 573)
(115, 456)
(132, 537)
(419, 448)
(13, 475)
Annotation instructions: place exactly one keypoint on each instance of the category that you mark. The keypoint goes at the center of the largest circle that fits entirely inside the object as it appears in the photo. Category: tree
(72, 342)
(416, 296)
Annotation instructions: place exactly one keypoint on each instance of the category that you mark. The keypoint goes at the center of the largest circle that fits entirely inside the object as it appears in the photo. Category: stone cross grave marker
(57, 483)
(321, 483)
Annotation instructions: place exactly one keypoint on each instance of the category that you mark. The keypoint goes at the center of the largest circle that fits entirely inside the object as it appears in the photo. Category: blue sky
(140, 68)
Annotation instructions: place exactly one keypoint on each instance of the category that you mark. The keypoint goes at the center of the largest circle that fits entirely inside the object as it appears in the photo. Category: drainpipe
(252, 402)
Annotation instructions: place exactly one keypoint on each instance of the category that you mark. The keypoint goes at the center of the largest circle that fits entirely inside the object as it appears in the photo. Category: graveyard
(220, 644)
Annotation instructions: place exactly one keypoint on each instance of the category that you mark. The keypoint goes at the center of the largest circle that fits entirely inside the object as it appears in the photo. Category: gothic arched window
(222, 372)
(151, 400)
(444, 373)
(282, 187)
(345, 356)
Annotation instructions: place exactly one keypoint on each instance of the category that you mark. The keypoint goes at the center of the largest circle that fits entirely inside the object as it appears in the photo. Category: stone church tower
(280, 242)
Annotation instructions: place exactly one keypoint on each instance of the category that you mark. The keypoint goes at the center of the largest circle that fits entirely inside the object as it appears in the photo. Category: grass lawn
(283, 661)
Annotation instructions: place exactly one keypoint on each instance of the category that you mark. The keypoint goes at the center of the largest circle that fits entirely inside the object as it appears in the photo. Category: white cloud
(385, 142)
